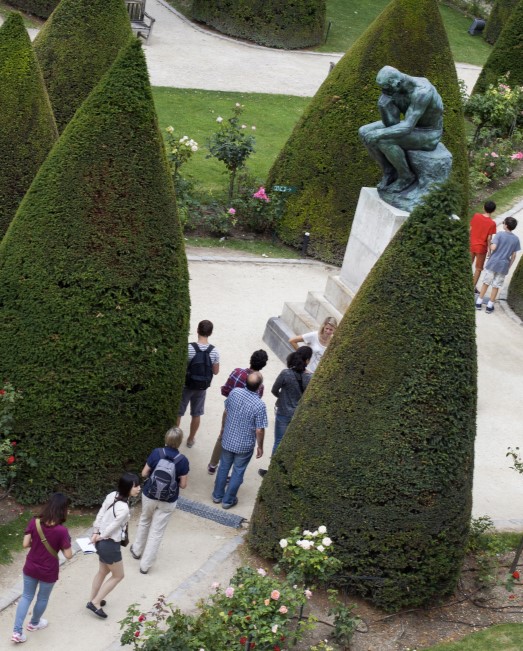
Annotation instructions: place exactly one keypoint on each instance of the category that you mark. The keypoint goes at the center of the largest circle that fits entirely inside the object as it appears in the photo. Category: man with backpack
(203, 363)
(166, 471)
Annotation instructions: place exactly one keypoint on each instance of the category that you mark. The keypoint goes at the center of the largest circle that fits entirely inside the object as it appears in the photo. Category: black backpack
(199, 370)
(162, 484)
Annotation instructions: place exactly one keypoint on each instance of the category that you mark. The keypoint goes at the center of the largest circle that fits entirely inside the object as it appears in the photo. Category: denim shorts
(109, 551)
(197, 399)
(494, 279)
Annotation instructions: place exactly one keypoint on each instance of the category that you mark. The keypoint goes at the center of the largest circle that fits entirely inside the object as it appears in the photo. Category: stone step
(276, 336)
(320, 307)
(298, 319)
(337, 293)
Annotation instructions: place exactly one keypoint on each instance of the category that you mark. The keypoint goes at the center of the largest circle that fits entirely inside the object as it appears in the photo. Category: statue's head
(389, 79)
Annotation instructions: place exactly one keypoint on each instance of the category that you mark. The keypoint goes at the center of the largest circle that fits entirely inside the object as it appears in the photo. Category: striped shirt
(246, 413)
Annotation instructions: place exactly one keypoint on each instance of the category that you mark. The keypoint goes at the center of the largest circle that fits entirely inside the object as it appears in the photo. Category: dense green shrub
(27, 126)
(501, 12)
(324, 157)
(94, 295)
(515, 290)
(507, 54)
(381, 446)
(40, 8)
(286, 24)
(76, 46)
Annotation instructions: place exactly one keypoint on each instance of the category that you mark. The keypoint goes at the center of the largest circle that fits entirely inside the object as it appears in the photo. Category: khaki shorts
(494, 279)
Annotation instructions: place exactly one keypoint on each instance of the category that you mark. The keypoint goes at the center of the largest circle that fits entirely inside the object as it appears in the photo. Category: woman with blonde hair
(318, 341)
(166, 471)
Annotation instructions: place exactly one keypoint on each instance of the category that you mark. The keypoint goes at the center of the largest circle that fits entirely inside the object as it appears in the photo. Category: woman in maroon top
(41, 565)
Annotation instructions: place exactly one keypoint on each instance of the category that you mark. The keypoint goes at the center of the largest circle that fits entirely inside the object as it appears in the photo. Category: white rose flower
(314, 534)
(307, 533)
(320, 548)
(283, 543)
(194, 148)
(326, 541)
(237, 104)
(219, 119)
(169, 129)
(253, 128)
(244, 126)
(322, 529)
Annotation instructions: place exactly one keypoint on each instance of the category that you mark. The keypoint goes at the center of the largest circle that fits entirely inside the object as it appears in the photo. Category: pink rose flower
(283, 609)
(229, 592)
(275, 595)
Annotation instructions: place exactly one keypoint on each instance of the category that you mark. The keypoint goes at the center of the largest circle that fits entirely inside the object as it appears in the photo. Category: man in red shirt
(482, 228)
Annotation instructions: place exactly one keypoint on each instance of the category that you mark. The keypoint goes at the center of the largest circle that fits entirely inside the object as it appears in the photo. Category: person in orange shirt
(482, 228)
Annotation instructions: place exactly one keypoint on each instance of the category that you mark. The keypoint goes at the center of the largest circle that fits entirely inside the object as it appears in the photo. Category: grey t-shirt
(288, 390)
(506, 244)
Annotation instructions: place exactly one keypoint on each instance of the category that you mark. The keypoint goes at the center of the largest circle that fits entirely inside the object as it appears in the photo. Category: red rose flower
(137, 634)
(10, 460)
(141, 618)
(253, 644)
(2, 392)
(243, 640)
(13, 443)
(515, 575)
(277, 648)
(229, 613)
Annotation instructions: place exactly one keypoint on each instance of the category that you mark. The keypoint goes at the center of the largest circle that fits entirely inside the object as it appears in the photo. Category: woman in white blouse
(109, 531)
(318, 341)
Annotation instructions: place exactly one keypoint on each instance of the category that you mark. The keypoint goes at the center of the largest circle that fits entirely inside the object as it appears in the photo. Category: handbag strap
(52, 551)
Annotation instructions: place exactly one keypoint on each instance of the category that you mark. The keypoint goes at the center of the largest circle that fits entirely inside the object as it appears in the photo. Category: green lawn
(350, 18)
(258, 248)
(194, 112)
(507, 637)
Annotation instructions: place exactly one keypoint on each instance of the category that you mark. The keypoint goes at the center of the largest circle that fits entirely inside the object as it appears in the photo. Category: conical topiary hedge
(381, 446)
(76, 46)
(275, 23)
(27, 126)
(94, 295)
(515, 290)
(507, 54)
(324, 158)
(498, 17)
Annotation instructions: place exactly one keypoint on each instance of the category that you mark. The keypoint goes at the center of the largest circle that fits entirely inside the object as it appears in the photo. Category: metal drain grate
(204, 511)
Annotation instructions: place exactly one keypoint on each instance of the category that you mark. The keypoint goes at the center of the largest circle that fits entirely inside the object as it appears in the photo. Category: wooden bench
(141, 22)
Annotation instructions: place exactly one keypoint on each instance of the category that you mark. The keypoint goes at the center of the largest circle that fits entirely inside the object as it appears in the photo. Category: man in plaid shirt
(237, 379)
(245, 423)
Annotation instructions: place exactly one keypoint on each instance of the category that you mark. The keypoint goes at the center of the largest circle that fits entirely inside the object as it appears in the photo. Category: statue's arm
(419, 102)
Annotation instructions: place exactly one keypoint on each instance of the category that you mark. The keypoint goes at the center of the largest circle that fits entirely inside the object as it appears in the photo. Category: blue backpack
(163, 484)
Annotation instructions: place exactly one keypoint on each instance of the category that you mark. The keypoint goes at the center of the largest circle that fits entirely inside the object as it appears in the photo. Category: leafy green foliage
(40, 8)
(232, 144)
(515, 290)
(507, 55)
(275, 23)
(381, 445)
(94, 295)
(254, 611)
(324, 157)
(27, 126)
(75, 48)
(498, 17)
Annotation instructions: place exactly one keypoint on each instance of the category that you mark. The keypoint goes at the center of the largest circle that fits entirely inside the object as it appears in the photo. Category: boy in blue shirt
(503, 249)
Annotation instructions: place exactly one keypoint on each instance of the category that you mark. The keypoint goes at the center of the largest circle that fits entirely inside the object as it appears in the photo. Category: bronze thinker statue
(399, 145)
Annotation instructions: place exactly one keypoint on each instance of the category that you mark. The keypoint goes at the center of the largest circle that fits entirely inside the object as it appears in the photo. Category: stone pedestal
(375, 224)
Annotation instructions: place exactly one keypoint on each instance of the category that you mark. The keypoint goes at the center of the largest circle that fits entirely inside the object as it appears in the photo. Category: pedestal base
(375, 224)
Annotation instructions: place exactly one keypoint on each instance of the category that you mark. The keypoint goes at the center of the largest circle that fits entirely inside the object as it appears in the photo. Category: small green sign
(284, 188)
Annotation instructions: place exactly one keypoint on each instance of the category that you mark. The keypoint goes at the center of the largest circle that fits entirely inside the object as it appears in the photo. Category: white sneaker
(41, 624)
(17, 638)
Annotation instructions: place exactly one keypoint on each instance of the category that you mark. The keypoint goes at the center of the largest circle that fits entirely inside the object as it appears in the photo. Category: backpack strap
(299, 379)
(52, 551)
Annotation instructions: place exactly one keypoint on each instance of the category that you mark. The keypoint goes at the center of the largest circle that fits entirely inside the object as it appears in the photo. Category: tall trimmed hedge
(27, 126)
(381, 447)
(288, 24)
(515, 290)
(506, 55)
(324, 157)
(501, 12)
(40, 8)
(75, 48)
(94, 295)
